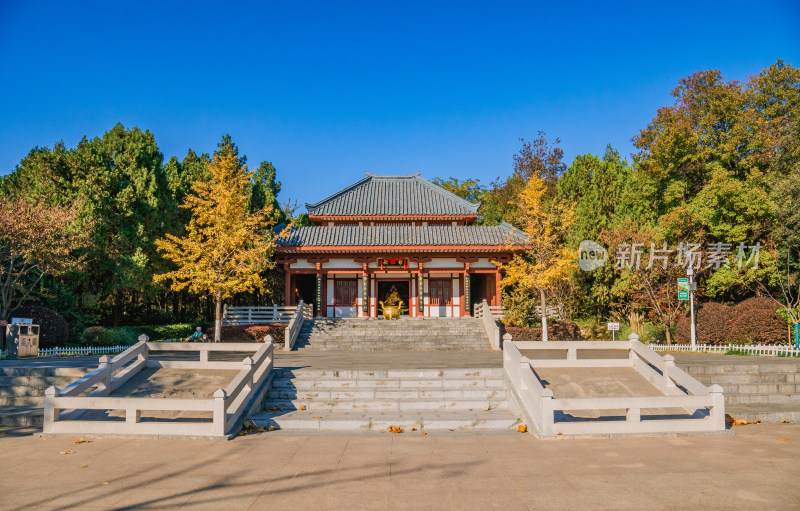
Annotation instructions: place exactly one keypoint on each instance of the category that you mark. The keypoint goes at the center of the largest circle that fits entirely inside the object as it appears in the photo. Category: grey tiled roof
(393, 195)
(402, 235)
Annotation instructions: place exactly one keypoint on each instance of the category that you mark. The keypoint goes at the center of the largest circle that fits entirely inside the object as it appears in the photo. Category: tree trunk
(218, 316)
(544, 315)
(668, 333)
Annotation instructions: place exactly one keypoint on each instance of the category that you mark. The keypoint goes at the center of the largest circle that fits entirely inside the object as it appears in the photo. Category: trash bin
(22, 341)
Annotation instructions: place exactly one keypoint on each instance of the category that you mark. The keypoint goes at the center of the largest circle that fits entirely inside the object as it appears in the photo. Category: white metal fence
(78, 351)
(776, 350)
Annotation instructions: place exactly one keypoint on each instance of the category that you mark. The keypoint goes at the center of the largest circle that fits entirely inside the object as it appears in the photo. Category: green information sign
(683, 289)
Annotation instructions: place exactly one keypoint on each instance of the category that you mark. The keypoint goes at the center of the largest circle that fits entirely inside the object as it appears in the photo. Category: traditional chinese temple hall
(395, 241)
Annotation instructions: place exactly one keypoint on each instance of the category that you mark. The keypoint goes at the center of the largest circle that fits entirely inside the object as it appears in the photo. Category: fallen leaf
(740, 422)
(485, 408)
(82, 466)
(301, 407)
(81, 441)
(413, 429)
(423, 432)
(104, 482)
(784, 421)
(783, 439)
(395, 429)
(67, 452)
(316, 417)
(522, 428)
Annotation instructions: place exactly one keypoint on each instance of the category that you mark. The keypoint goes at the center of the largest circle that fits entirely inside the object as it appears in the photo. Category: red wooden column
(366, 308)
(322, 299)
(498, 275)
(288, 292)
(420, 283)
(288, 288)
(466, 284)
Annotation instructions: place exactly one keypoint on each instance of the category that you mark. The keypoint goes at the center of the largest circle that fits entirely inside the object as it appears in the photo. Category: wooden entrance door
(345, 296)
(440, 296)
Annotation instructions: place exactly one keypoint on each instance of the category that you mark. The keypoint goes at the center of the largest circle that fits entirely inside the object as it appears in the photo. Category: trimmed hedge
(53, 329)
(98, 336)
(556, 331)
(752, 321)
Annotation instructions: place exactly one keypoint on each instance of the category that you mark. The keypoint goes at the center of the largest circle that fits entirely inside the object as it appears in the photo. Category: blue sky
(329, 90)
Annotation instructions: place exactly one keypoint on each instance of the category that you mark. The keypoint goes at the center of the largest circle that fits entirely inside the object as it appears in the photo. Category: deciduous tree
(547, 261)
(226, 248)
(36, 240)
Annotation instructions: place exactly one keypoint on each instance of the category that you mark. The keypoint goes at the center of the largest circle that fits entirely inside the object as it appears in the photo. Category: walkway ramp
(589, 389)
(171, 390)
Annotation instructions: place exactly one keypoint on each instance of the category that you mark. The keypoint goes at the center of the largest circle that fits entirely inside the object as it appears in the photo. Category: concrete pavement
(755, 469)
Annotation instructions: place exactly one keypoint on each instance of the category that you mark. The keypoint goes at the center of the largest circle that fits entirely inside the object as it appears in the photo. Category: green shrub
(98, 336)
(127, 335)
(164, 332)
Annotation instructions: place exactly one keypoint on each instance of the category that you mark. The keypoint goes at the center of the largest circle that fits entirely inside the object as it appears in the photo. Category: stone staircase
(22, 392)
(768, 390)
(465, 334)
(365, 400)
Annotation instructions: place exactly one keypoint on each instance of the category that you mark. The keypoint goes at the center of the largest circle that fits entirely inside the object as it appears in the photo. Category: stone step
(67, 372)
(773, 412)
(377, 383)
(21, 416)
(321, 394)
(21, 390)
(401, 405)
(36, 381)
(305, 420)
(755, 369)
(761, 398)
(762, 388)
(749, 378)
(470, 372)
(16, 401)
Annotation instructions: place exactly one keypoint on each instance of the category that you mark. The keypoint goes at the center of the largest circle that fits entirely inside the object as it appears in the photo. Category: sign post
(613, 328)
(686, 288)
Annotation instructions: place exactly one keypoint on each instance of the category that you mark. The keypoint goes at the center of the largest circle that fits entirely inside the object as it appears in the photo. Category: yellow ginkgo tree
(226, 248)
(547, 262)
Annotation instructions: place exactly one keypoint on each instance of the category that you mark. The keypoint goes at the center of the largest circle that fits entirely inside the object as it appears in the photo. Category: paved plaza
(757, 468)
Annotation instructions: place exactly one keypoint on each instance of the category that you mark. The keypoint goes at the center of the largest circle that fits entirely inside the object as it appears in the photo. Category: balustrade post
(220, 412)
(51, 413)
(247, 365)
(104, 363)
(669, 385)
(145, 354)
(717, 407)
(572, 354)
(547, 413)
(633, 415)
(132, 415)
(506, 338)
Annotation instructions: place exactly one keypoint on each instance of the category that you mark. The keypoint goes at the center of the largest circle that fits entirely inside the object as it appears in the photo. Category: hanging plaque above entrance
(389, 263)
